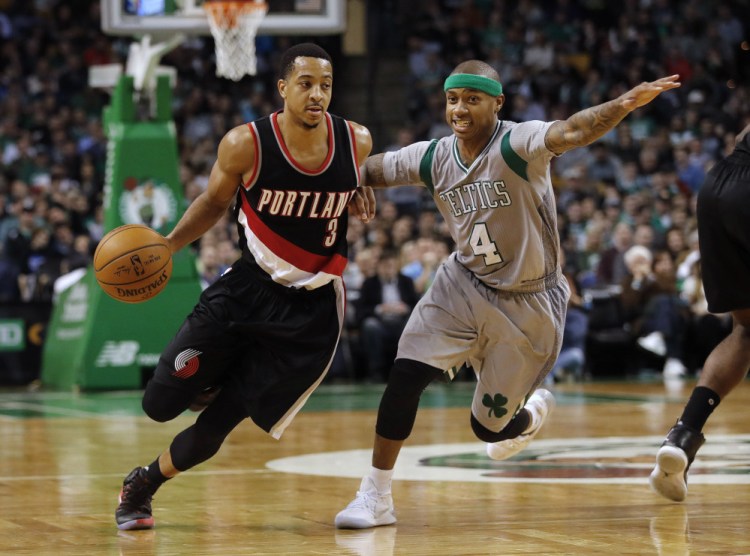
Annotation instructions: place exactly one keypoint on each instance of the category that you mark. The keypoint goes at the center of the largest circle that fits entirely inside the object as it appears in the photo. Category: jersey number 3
(482, 245)
(331, 229)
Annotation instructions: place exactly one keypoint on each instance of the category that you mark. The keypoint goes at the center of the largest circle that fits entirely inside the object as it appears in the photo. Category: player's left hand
(362, 204)
(648, 91)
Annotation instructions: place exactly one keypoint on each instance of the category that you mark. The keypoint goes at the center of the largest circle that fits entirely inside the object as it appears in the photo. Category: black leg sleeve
(400, 401)
(202, 440)
(517, 425)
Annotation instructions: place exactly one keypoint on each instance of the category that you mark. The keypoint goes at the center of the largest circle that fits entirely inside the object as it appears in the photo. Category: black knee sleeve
(517, 425)
(201, 441)
(163, 403)
(398, 406)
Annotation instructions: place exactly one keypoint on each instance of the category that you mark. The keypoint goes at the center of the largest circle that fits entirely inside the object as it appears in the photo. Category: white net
(234, 24)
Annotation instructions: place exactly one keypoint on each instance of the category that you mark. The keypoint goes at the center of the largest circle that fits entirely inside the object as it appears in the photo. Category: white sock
(381, 478)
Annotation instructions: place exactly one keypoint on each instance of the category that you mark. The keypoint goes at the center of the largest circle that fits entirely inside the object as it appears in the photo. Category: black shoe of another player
(669, 477)
(134, 511)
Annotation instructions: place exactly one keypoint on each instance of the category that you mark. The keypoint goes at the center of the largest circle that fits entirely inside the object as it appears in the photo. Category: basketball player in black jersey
(724, 241)
(262, 337)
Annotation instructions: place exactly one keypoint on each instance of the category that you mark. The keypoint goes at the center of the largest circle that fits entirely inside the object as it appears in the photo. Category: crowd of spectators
(634, 187)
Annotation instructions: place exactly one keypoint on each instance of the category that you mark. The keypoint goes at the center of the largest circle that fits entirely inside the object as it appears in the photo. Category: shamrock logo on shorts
(495, 404)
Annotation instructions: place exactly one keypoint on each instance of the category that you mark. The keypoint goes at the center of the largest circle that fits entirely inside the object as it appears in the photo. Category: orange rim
(225, 12)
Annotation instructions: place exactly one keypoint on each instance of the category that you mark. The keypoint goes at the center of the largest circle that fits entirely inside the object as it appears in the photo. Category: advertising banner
(94, 341)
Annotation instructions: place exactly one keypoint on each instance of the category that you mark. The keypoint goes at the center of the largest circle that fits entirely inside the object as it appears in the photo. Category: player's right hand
(363, 204)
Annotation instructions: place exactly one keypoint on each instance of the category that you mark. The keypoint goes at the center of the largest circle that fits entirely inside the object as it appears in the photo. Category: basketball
(133, 263)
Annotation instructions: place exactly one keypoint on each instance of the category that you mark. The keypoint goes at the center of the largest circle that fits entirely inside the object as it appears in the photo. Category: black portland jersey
(292, 220)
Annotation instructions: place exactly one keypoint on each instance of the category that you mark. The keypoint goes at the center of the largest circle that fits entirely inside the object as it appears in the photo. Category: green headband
(471, 81)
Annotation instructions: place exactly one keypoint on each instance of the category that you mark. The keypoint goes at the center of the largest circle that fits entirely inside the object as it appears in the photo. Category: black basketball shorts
(272, 343)
(724, 237)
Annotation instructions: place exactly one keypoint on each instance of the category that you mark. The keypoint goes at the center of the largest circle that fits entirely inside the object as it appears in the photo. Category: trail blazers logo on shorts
(186, 363)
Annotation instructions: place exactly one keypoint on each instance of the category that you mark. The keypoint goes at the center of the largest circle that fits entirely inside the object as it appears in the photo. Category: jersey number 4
(482, 245)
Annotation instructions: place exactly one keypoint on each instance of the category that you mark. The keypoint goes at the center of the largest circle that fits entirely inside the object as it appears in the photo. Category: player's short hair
(477, 67)
(305, 49)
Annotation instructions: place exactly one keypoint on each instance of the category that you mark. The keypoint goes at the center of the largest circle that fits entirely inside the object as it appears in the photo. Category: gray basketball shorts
(511, 340)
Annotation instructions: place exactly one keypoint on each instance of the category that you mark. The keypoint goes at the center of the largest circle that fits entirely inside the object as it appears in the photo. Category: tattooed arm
(586, 126)
(373, 174)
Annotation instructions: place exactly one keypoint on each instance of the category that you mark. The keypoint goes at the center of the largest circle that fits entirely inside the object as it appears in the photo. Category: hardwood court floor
(580, 488)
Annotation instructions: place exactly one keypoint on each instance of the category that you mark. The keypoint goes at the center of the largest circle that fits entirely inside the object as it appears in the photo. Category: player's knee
(162, 403)
(400, 401)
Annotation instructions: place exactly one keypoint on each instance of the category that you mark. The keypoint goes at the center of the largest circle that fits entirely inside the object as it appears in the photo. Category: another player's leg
(510, 370)
(192, 446)
(669, 477)
(724, 369)
(373, 504)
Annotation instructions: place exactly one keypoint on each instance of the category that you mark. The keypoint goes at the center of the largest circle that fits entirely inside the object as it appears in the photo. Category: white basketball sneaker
(654, 342)
(540, 405)
(368, 509)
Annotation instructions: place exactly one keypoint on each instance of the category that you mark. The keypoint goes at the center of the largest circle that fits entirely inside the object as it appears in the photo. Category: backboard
(168, 17)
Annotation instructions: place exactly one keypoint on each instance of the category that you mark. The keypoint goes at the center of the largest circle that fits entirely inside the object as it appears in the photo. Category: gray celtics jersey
(500, 210)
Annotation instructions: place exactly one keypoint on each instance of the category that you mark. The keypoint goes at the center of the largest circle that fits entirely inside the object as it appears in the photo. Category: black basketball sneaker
(134, 511)
(669, 477)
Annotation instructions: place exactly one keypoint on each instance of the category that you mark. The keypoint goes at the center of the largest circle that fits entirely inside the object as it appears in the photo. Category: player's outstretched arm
(586, 126)
(236, 156)
(373, 171)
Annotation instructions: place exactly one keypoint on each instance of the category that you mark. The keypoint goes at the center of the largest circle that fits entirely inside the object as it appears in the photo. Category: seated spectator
(605, 166)
(653, 309)
(79, 257)
(209, 265)
(408, 198)
(571, 362)
(705, 330)
(228, 253)
(677, 245)
(421, 259)
(9, 292)
(358, 269)
(612, 268)
(586, 262)
(18, 234)
(39, 269)
(386, 301)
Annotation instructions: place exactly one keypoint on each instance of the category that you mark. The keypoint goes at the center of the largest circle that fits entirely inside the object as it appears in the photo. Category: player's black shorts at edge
(249, 332)
(724, 233)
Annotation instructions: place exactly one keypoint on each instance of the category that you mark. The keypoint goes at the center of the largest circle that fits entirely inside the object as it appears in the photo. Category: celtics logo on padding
(147, 202)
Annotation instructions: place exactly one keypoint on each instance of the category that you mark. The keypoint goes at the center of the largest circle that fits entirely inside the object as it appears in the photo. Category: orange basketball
(133, 263)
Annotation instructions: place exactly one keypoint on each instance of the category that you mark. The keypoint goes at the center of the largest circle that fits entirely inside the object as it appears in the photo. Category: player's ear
(281, 86)
(500, 100)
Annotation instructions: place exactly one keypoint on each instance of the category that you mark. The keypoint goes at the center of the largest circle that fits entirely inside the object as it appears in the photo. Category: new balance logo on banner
(118, 354)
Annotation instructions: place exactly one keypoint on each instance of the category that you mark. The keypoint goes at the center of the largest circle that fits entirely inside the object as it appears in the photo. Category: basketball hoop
(234, 24)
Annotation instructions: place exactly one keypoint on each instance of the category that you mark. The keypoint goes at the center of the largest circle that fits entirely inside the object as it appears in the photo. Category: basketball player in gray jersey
(498, 303)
